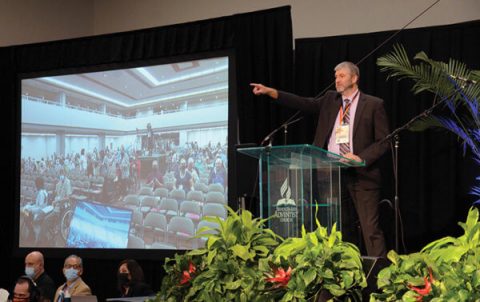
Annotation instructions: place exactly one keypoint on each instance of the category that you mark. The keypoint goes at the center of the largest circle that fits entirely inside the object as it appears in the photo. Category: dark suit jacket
(370, 127)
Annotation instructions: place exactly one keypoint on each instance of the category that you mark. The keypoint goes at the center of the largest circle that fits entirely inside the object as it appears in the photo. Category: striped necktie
(345, 147)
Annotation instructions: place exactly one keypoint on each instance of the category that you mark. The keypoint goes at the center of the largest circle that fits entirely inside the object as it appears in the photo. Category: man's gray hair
(350, 66)
(80, 262)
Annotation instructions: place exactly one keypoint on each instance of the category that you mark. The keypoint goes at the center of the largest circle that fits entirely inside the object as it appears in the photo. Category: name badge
(342, 134)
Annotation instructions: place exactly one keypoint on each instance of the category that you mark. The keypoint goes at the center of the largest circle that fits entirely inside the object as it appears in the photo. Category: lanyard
(343, 111)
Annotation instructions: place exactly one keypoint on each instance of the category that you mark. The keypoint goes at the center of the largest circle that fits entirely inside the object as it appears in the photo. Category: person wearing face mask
(131, 281)
(35, 270)
(72, 270)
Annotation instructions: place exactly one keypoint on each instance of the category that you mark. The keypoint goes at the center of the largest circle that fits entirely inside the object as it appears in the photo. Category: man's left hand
(352, 156)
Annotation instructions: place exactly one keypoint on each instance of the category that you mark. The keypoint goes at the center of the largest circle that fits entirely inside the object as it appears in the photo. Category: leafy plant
(447, 269)
(320, 261)
(459, 96)
(228, 268)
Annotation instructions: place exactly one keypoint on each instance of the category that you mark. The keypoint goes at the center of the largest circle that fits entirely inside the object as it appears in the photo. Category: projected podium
(298, 183)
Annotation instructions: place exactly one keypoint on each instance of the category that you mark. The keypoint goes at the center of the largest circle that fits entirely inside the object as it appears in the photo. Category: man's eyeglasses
(20, 297)
(75, 266)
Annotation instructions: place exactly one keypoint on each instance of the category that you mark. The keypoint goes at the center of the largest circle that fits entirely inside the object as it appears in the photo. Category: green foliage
(453, 262)
(433, 76)
(228, 268)
(320, 261)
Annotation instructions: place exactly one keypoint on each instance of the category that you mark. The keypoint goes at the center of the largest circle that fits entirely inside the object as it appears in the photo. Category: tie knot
(347, 101)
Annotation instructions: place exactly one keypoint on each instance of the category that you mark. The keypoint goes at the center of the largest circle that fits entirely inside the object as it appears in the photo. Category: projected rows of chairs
(82, 186)
(170, 219)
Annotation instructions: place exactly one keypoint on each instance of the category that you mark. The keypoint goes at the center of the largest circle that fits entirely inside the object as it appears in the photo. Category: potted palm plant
(447, 269)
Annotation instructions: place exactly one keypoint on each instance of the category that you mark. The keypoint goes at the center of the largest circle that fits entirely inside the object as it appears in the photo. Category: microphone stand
(396, 145)
(269, 137)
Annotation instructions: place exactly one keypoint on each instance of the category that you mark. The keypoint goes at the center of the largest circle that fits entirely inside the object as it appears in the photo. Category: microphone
(462, 79)
(269, 137)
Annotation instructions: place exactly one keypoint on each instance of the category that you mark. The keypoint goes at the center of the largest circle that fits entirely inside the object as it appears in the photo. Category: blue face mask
(71, 274)
(30, 271)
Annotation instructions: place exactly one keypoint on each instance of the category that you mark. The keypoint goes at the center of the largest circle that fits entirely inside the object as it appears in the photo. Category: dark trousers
(360, 218)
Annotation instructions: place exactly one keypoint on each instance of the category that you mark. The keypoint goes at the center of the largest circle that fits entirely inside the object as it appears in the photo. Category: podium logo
(286, 193)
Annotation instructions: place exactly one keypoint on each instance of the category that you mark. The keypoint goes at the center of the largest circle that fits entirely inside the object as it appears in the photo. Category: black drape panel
(261, 43)
(434, 177)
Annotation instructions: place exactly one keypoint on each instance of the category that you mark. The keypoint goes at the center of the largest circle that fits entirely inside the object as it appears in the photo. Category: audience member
(63, 188)
(72, 270)
(131, 280)
(183, 177)
(35, 269)
(218, 174)
(4, 295)
(26, 290)
(154, 178)
(193, 170)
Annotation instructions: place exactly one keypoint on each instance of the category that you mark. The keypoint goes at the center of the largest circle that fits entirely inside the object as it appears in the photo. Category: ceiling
(139, 87)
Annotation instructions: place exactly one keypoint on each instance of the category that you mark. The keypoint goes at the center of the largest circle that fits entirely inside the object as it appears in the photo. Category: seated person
(72, 270)
(35, 212)
(26, 290)
(131, 281)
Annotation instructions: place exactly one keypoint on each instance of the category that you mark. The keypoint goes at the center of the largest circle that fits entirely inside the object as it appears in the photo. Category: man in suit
(72, 270)
(352, 124)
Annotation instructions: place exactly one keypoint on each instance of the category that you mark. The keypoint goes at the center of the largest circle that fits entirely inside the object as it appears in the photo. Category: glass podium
(299, 184)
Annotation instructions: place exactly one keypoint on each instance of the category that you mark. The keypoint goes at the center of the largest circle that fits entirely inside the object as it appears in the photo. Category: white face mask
(71, 274)
(30, 271)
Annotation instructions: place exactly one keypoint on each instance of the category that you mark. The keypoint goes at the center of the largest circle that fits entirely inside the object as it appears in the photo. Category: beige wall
(27, 21)
(30, 21)
(310, 18)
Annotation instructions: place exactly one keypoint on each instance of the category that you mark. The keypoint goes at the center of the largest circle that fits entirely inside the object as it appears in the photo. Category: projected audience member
(63, 188)
(90, 165)
(155, 177)
(74, 286)
(193, 170)
(36, 211)
(124, 172)
(183, 178)
(83, 160)
(131, 280)
(218, 174)
(150, 139)
(26, 290)
(35, 270)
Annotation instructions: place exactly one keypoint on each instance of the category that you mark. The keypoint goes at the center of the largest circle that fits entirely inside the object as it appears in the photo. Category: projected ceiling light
(146, 73)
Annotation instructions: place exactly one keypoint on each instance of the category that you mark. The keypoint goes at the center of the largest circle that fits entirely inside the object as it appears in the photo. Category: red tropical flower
(191, 268)
(281, 277)
(427, 288)
(186, 277)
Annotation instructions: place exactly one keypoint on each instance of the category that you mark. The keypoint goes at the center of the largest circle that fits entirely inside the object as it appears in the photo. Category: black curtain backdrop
(261, 43)
(434, 176)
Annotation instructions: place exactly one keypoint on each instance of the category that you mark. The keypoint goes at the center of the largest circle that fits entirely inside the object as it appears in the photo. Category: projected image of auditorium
(142, 149)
